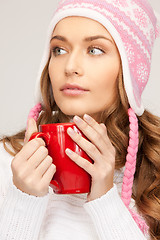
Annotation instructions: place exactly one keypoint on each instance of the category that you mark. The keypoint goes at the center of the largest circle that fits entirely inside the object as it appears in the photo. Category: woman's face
(83, 55)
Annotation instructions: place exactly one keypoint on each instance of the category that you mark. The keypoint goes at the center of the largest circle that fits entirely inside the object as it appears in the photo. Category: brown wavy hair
(146, 189)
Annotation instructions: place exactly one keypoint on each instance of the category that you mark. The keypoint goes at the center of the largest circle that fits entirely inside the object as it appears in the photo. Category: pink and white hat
(133, 26)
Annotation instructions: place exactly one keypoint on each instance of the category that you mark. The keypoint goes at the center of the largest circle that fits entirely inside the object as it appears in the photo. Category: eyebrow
(87, 39)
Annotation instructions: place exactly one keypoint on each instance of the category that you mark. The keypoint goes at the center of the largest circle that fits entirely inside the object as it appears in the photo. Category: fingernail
(87, 118)
(68, 151)
(71, 131)
(77, 119)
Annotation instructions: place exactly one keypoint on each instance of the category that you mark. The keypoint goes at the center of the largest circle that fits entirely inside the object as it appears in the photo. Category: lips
(73, 90)
(72, 87)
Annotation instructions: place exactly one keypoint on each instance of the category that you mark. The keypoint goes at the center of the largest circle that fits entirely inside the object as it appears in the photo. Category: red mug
(69, 177)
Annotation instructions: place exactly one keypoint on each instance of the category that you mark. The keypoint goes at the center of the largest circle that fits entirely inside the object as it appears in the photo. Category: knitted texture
(131, 157)
(130, 168)
(133, 26)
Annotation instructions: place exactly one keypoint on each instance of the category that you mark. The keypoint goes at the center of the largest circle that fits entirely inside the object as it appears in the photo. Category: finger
(29, 149)
(103, 126)
(48, 175)
(38, 157)
(100, 128)
(32, 128)
(83, 163)
(43, 166)
(87, 146)
(94, 132)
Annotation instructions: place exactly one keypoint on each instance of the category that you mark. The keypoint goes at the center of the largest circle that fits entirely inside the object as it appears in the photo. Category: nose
(74, 64)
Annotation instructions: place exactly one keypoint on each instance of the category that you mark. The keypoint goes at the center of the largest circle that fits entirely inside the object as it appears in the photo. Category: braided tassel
(130, 165)
(130, 168)
(34, 112)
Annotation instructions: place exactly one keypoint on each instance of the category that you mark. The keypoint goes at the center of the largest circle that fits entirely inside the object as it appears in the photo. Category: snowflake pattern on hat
(141, 17)
(130, 52)
(120, 2)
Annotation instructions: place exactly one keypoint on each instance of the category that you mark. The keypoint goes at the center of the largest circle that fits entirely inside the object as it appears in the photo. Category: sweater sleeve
(21, 215)
(112, 219)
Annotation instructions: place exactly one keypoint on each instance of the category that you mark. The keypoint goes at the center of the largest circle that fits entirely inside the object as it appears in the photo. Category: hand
(101, 152)
(32, 167)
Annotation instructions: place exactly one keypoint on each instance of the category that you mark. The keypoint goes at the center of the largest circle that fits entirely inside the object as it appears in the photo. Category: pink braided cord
(130, 168)
(34, 112)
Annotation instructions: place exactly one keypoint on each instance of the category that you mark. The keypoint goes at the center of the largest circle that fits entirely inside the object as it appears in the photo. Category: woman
(95, 67)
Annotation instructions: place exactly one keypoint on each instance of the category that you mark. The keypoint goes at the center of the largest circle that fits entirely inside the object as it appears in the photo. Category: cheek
(54, 71)
(105, 74)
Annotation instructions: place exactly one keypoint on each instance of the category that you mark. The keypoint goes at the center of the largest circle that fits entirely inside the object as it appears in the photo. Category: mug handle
(54, 184)
(42, 135)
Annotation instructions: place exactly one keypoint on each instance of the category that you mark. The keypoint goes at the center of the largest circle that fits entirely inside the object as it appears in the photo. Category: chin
(73, 112)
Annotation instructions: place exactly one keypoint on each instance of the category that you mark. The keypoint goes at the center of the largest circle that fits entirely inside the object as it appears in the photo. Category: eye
(58, 51)
(95, 51)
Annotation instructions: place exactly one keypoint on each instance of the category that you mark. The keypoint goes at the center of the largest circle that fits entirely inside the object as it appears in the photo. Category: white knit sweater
(62, 217)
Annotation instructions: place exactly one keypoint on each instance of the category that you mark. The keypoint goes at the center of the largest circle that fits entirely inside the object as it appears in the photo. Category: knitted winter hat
(133, 26)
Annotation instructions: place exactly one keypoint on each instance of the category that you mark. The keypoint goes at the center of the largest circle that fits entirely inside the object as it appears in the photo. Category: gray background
(23, 26)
